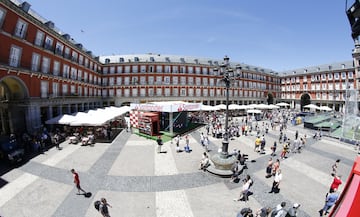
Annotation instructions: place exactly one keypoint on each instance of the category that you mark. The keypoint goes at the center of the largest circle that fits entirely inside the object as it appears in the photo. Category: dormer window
(182, 60)
(152, 59)
(167, 59)
(107, 60)
(136, 59)
(121, 59)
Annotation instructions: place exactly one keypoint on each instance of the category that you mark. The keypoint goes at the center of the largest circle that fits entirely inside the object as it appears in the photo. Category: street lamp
(224, 161)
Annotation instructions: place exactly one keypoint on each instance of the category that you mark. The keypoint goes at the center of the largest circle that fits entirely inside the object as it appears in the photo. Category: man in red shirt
(77, 181)
(335, 184)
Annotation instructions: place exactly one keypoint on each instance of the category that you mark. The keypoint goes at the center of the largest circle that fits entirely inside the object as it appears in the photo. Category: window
(323, 77)
(183, 80)
(175, 69)
(142, 80)
(197, 70)
(127, 81)
(167, 92)
(72, 90)
(55, 89)
(74, 56)
(127, 69)
(142, 92)
(79, 91)
(190, 70)
(151, 91)
(73, 73)
(59, 48)
(211, 82)
(112, 69)
(159, 69)
(167, 80)
(158, 80)
(134, 92)
(39, 38)
(343, 75)
(119, 69)
(81, 59)
(118, 92)
(182, 92)
(142, 68)
(205, 92)
(14, 58)
(105, 70)
(336, 76)
(44, 89)
(198, 92)
(66, 71)
(350, 75)
(79, 76)
(158, 91)
(150, 80)
(48, 43)
(67, 53)
(205, 71)
(64, 89)
(190, 80)
(330, 76)
(35, 62)
(20, 29)
(2, 16)
(118, 81)
(56, 68)
(175, 92)
(191, 92)
(198, 81)
(175, 80)
(85, 77)
(212, 92)
(205, 81)
(135, 69)
(45, 66)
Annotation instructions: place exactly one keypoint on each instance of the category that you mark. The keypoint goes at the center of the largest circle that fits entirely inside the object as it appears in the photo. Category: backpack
(97, 205)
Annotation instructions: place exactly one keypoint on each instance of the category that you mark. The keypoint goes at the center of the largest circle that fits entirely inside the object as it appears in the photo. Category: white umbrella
(325, 108)
(311, 106)
(234, 107)
(221, 106)
(283, 104)
(209, 108)
(254, 111)
(272, 106)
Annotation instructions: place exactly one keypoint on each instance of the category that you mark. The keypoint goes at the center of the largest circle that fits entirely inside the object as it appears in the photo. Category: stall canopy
(311, 106)
(254, 111)
(96, 117)
(283, 104)
(166, 106)
(324, 108)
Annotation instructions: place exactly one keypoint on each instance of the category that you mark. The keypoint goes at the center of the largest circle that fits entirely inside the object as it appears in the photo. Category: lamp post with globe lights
(227, 74)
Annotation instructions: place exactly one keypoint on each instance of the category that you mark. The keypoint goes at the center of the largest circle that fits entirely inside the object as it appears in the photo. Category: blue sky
(278, 35)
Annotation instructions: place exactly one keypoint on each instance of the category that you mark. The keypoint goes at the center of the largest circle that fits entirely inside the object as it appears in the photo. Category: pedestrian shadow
(87, 194)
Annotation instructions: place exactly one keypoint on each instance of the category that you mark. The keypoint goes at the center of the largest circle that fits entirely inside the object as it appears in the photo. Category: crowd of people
(276, 121)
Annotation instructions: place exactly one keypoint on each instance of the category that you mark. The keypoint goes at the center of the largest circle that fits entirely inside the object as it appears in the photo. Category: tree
(270, 99)
(305, 100)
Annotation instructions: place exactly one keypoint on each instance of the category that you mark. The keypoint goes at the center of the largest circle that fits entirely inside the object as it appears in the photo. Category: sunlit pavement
(137, 181)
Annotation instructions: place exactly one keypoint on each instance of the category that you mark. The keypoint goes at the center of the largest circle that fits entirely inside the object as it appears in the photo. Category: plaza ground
(137, 181)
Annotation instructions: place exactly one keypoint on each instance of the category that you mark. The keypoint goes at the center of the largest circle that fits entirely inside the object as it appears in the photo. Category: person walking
(276, 182)
(160, 143)
(334, 167)
(56, 141)
(104, 208)
(269, 168)
(77, 181)
(273, 149)
(329, 202)
(336, 183)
